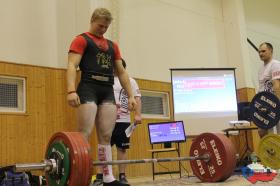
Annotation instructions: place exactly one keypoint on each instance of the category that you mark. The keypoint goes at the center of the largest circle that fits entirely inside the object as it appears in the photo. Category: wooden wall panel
(245, 94)
(24, 136)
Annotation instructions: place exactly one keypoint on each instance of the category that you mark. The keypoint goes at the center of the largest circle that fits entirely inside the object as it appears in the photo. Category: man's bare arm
(123, 77)
(73, 63)
(276, 87)
(125, 83)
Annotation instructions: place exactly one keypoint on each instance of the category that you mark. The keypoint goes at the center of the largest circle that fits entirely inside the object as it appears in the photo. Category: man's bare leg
(86, 118)
(105, 123)
(121, 155)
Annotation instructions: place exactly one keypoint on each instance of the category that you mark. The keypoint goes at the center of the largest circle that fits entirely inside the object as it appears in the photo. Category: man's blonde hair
(101, 13)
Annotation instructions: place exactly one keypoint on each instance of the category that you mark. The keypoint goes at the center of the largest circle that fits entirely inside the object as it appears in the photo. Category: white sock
(105, 154)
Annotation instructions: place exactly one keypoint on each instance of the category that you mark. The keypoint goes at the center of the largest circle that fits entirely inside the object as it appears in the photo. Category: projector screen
(205, 99)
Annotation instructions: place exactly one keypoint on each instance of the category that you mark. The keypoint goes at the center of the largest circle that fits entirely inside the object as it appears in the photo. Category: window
(12, 94)
(155, 104)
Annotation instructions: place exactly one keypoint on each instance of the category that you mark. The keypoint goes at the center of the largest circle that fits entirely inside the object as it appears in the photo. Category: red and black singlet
(97, 64)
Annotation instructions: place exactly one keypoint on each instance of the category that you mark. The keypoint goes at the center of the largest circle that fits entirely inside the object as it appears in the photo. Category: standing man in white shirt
(123, 120)
(269, 77)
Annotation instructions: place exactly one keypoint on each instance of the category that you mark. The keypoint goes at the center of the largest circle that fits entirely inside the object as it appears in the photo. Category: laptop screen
(162, 132)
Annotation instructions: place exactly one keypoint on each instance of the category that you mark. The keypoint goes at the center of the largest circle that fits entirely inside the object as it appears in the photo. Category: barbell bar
(51, 165)
(68, 159)
(204, 157)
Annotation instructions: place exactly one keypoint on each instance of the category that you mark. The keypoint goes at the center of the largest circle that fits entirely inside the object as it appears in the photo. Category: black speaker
(244, 111)
(167, 145)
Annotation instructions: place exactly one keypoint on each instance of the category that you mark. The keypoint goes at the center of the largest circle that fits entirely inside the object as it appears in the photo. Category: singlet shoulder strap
(88, 39)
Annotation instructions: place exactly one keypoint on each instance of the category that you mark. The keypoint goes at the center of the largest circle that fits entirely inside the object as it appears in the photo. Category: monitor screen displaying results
(166, 132)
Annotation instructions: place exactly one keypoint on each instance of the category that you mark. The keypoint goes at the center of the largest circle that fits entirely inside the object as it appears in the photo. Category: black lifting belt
(100, 77)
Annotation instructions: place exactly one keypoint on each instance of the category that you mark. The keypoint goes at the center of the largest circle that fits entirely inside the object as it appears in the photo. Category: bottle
(253, 157)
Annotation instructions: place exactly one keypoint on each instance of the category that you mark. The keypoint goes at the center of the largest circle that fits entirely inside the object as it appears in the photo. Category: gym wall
(158, 34)
(262, 27)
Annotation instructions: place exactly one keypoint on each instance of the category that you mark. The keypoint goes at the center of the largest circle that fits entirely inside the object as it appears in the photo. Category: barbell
(212, 156)
(68, 159)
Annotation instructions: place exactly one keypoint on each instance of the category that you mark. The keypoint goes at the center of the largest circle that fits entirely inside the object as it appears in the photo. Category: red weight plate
(88, 161)
(80, 166)
(222, 144)
(73, 151)
(76, 173)
(222, 157)
(86, 157)
(206, 172)
(229, 156)
(230, 148)
(80, 171)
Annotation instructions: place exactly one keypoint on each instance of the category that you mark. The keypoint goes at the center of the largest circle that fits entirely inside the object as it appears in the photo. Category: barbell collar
(204, 157)
(47, 166)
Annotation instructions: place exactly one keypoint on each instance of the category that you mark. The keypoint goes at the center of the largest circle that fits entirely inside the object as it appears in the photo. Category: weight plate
(230, 148)
(79, 160)
(222, 157)
(57, 150)
(74, 177)
(265, 110)
(87, 160)
(84, 160)
(269, 151)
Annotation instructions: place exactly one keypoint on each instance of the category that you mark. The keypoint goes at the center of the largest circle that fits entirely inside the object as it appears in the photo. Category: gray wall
(154, 35)
(263, 25)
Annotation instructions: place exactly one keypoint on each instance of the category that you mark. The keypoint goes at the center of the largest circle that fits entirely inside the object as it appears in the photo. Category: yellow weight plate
(269, 151)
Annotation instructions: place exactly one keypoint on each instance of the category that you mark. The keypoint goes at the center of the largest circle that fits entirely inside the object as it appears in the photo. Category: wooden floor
(167, 180)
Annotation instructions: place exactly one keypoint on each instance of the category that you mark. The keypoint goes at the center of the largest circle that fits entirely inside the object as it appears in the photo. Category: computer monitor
(166, 132)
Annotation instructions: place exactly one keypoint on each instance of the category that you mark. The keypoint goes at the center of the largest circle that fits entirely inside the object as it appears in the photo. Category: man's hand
(137, 113)
(73, 99)
(137, 119)
(131, 103)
